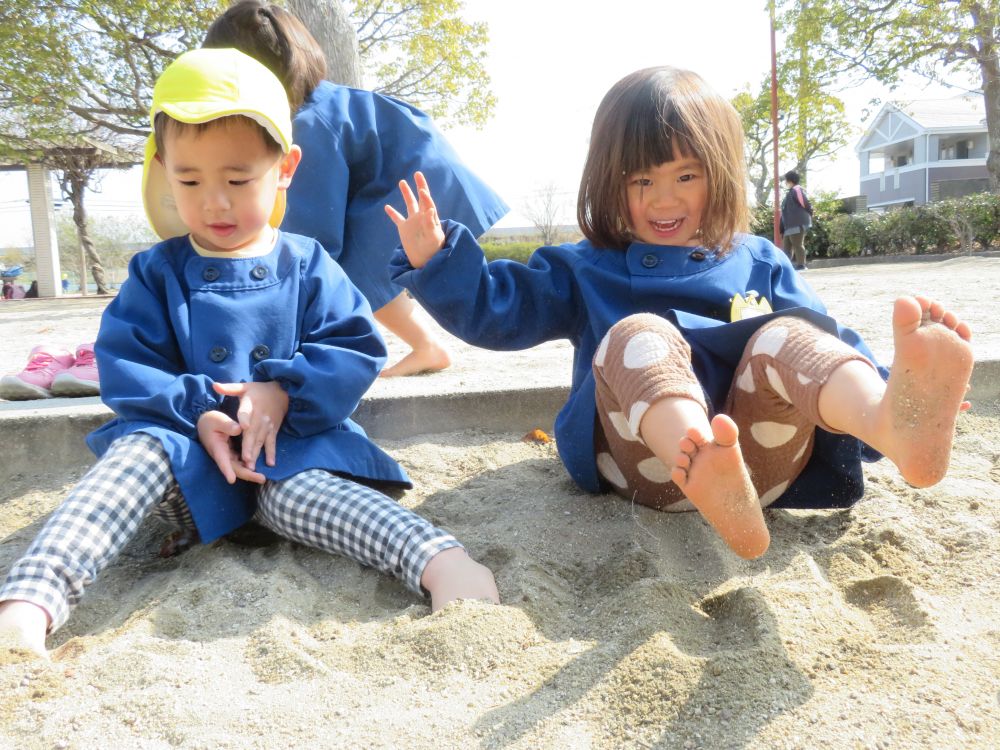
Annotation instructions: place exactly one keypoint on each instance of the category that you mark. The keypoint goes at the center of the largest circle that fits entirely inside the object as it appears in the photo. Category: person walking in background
(796, 218)
(360, 144)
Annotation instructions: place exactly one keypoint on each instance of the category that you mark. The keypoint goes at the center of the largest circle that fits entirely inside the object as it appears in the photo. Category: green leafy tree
(934, 38)
(116, 239)
(71, 66)
(97, 60)
(816, 125)
(75, 82)
(755, 113)
(420, 51)
(423, 52)
(811, 119)
(78, 74)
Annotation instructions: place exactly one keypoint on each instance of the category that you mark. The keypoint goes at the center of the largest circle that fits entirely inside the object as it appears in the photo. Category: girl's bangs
(654, 137)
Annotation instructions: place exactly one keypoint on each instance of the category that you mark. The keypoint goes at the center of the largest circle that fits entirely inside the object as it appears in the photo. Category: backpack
(803, 199)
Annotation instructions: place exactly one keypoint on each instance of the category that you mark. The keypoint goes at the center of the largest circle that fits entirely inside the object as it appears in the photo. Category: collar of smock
(235, 273)
(669, 260)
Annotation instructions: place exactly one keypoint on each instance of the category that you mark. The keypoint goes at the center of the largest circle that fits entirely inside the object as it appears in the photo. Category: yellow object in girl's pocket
(748, 307)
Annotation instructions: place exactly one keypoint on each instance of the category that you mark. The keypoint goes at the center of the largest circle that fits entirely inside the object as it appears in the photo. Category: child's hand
(420, 232)
(263, 407)
(215, 431)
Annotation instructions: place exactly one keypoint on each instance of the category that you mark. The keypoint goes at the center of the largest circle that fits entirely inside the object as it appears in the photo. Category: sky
(551, 62)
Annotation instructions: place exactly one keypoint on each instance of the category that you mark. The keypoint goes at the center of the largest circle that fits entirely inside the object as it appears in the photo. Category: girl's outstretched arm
(420, 230)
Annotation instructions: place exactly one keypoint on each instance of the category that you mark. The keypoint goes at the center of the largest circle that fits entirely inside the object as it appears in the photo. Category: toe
(688, 446)
(724, 430)
(907, 313)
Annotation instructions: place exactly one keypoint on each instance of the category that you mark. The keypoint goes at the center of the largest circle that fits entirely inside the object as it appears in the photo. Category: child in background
(677, 403)
(359, 146)
(231, 342)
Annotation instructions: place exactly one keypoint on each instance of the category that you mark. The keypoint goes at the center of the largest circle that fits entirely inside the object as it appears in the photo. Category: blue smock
(578, 291)
(183, 321)
(356, 147)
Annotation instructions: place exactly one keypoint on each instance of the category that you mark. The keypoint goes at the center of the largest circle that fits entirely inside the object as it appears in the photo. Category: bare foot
(452, 575)
(22, 628)
(712, 475)
(428, 358)
(926, 389)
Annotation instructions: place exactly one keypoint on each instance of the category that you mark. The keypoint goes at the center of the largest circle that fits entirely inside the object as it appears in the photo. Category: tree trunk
(75, 184)
(989, 69)
(804, 92)
(802, 167)
(328, 22)
(762, 184)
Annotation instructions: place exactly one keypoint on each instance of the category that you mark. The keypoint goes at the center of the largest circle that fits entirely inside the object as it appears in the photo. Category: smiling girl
(680, 400)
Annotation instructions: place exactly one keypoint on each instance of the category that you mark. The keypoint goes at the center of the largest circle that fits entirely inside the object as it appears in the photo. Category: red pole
(774, 127)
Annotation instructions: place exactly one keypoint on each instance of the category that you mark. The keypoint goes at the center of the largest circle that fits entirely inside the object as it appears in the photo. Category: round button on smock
(218, 353)
(260, 352)
(259, 272)
(697, 255)
(650, 261)
(210, 274)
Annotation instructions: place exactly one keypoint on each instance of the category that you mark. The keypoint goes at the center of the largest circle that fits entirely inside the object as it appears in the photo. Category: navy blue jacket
(579, 291)
(183, 321)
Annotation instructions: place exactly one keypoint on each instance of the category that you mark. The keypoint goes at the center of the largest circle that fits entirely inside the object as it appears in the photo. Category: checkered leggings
(133, 479)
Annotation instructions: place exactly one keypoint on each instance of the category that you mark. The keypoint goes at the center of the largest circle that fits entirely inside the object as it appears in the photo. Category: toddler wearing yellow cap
(233, 357)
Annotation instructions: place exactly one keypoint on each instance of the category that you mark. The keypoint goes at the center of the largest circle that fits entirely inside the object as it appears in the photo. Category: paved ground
(858, 295)
(505, 391)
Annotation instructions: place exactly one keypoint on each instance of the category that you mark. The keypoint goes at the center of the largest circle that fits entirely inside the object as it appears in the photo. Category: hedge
(955, 225)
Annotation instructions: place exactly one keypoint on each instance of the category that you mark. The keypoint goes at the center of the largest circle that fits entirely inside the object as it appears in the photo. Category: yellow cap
(203, 85)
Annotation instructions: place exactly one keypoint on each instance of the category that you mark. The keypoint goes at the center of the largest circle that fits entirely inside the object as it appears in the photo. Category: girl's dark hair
(654, 116)
(275, 38)
(792, 177)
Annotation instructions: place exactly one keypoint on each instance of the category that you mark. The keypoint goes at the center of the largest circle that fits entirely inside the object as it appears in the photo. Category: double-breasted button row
(211, 273)
(259, 353)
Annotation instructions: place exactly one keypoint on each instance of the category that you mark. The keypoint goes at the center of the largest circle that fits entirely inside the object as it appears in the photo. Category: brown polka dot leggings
(774, 400)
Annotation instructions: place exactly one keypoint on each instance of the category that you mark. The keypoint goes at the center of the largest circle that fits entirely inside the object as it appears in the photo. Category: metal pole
(774, 127)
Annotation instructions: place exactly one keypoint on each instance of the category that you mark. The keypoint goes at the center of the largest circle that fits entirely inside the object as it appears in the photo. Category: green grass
(519, 251)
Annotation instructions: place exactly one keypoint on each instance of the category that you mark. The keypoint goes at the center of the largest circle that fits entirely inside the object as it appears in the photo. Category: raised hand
(420, 230)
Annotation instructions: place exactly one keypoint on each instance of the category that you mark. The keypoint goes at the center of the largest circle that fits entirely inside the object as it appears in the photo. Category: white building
(923, 151)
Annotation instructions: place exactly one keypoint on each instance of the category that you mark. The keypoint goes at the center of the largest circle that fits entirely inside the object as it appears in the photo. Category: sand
(874, 627)
(621, 627)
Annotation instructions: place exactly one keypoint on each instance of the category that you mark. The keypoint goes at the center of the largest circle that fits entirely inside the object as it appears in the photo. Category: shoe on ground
(80, 379)
(35, 380)
(801, 267)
